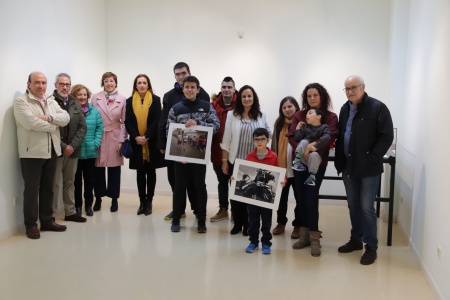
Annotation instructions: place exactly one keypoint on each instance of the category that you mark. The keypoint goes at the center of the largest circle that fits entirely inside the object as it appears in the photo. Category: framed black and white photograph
(191, 144)
(257, 184)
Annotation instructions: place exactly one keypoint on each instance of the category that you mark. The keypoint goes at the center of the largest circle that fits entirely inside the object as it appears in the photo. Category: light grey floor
(123, 256)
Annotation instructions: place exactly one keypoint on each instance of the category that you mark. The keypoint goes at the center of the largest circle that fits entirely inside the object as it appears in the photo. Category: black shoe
(78, 210)
(350, 247)
(175, 225)
(148, 209)
(114, 205)
(89, 211)
(75, 218)
(140, 210)
(236, 229)
(245, 231)
(201, 226)
(98, 204)
(368, 257)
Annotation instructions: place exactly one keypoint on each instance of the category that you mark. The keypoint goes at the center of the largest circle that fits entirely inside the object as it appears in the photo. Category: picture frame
(257, 184)
(192, 145)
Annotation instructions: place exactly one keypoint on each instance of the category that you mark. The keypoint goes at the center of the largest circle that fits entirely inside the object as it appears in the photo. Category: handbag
(126, 150)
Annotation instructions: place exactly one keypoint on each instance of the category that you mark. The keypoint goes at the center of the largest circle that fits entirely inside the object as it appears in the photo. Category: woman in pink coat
(111, 106)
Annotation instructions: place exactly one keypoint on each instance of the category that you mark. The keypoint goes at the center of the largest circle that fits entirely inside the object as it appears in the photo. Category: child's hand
(300, 124)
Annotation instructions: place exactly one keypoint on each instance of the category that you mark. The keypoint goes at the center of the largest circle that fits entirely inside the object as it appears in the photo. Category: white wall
(53, 37)
(401, 48)
(420, 67)
(285, 46)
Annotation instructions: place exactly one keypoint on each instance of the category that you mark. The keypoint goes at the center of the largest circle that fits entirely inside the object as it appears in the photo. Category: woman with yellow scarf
(281, 146)
(143, 111)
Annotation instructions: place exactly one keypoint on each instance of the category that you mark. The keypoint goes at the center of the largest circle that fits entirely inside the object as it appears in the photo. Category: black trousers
(223, 186)
(111, 190)
(283, 206)
(238, 209)
(190, 174)
(259, 217)
(190, 186)
(146, 182)
(39, 176)
(85, 171)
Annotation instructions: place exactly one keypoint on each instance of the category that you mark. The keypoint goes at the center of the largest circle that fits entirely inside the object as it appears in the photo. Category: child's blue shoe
(265, 249)
(311, 180)
(251, 248)
(298, 165)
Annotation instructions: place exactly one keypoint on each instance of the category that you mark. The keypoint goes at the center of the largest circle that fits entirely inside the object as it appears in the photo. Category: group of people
(65, 134)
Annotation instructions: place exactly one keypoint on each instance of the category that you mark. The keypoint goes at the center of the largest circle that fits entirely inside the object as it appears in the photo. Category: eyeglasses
(182, 74)
(64, 84)
(353, 88)
(259, 140)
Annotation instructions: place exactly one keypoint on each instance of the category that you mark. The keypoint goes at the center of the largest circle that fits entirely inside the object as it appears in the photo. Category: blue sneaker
(251, 248)
(297, 165)
(265, 249)
(311, 180)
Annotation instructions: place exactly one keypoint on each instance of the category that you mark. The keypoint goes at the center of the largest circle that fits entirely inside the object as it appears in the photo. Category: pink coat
(113, 117)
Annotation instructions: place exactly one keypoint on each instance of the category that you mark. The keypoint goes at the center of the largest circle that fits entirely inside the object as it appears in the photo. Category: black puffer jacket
(372, 135)
(171, 98)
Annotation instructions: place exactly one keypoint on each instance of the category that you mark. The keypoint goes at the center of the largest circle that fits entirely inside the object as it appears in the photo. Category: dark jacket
(222, 111)
(200, 111)
(372, 135)
(171, 98)
(73, 133)
(154, 114)
(321, 134)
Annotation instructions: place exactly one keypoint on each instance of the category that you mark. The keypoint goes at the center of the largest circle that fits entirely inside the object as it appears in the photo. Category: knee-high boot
(315, 242)
(304, 239)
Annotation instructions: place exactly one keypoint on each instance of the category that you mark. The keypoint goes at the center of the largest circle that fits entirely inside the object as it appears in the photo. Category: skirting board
(426, 274)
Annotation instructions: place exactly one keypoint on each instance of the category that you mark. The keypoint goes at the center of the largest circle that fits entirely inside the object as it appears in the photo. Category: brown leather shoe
(33, 233)
(295, 233)
(52, 226)
(279, 229)
(75, 218)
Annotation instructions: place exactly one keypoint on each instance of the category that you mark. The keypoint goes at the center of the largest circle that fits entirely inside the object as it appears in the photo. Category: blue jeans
(361, 193)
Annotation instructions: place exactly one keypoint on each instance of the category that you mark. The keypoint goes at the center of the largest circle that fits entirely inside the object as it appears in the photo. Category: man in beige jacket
(38, 119)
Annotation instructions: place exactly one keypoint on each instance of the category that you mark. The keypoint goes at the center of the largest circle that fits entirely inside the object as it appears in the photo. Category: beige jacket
(35, 136)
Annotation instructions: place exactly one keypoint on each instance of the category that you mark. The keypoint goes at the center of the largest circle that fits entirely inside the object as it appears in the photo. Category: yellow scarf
(282, 143)
(141, 112)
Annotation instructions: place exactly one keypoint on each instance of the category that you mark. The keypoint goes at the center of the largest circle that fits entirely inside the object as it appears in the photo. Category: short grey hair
(62, 75)
(359, 77)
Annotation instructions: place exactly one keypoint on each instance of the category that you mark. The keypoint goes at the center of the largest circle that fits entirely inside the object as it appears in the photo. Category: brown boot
(315, 242)
(279, 229)
(295, 233)
(304, 239)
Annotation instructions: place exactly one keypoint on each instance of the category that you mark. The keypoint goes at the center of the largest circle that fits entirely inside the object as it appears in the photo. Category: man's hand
(44, 117)
(68, 151)
(190, 123)
(163, 151)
